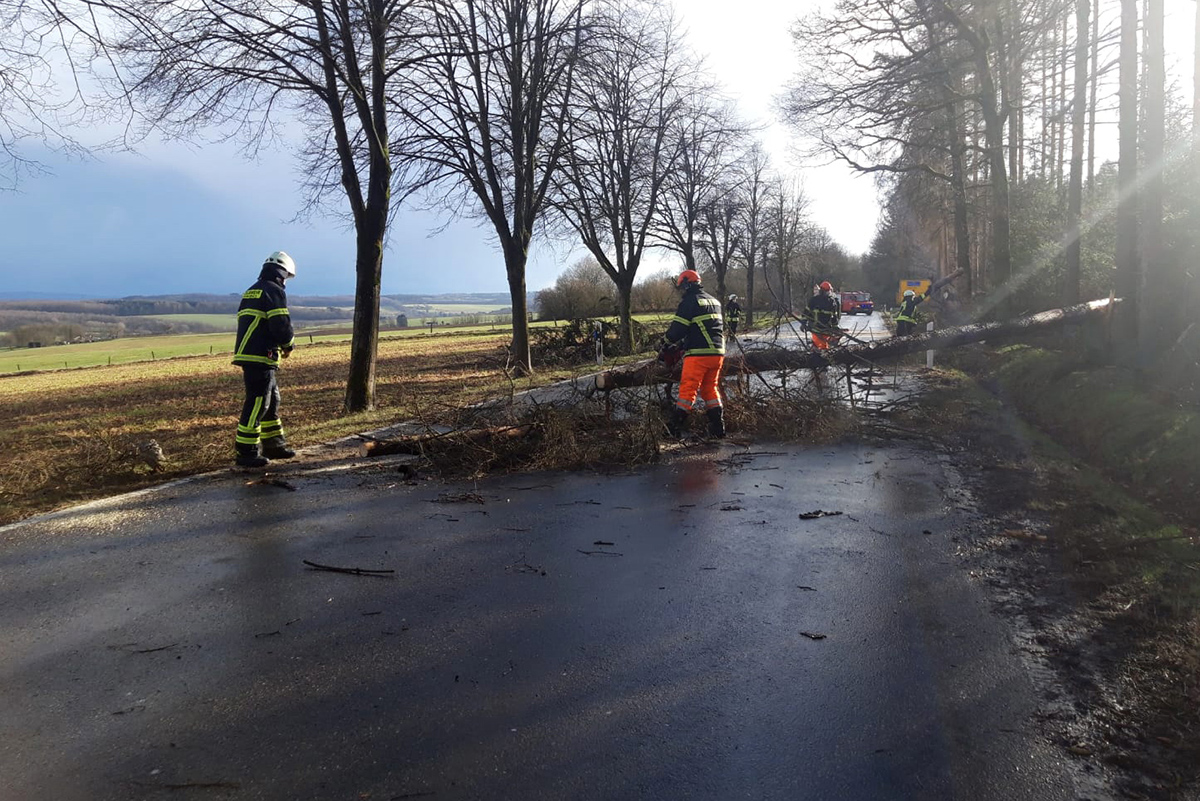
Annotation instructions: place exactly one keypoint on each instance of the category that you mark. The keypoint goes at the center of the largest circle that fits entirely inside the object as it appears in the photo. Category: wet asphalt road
(175, 645)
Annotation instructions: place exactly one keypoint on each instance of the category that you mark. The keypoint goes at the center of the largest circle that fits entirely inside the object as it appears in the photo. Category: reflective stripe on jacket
(264, 325)
(823, 312)
(698, 324)
(908, 309)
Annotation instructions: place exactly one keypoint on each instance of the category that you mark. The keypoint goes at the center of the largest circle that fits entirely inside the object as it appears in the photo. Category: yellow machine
(920, 286)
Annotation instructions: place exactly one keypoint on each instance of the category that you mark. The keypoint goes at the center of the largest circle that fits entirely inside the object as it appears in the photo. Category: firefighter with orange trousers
(698, 332)
(823, 313)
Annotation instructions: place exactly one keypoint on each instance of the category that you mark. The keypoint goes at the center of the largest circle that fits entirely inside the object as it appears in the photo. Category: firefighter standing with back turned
(699, 331)
(822, 314)
(264, 336)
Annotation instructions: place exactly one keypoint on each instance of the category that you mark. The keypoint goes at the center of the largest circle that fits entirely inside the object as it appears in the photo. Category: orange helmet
(826, 286)
(687, 277)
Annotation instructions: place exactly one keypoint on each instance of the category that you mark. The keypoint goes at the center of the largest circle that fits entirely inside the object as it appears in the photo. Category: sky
(177, 218)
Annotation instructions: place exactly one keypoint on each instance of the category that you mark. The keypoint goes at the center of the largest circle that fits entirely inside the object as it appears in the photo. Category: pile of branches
(615, 430)
(574, 342)
(533, 438)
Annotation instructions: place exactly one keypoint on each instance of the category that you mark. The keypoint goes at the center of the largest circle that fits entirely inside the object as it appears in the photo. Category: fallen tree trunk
(758, 360)
(425, 443)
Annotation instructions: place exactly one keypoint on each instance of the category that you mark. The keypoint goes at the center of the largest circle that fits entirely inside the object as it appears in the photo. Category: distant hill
(200, 303)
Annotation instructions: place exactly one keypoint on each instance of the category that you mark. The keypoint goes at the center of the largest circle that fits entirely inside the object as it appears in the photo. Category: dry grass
(71, 434)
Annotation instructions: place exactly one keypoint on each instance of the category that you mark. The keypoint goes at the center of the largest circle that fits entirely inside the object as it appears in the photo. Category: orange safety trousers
(703, 374)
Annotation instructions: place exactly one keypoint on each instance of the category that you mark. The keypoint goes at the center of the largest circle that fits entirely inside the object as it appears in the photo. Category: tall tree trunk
(1064, 57)
(1155, 316)
(958, 188)
(625, 313)
(1070, 293)
(1095, 88)
(1127, 194)
(515, 257)
(364, 341)
(749, 308)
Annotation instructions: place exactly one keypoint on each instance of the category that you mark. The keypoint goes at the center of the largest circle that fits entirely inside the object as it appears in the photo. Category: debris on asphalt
(806, 588)
(810, 635)
(459, 497)
(813, 515)
(731, 507)
(599, 553)
(603, 542)
(354, 571)
(272, 482)
(525, 567)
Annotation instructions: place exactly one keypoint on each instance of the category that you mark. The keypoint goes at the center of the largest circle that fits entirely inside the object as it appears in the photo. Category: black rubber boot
(677, 422)
(250, 457)
(716, 422)
(276, 448)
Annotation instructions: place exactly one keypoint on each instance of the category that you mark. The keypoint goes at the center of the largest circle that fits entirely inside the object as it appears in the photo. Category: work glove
(670, 355)
(285, 352)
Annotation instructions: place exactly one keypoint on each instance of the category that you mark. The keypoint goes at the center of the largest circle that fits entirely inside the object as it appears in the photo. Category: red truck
(857, 302)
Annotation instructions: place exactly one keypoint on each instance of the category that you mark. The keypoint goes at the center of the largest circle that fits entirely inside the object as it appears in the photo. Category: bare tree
(1070, 294)
(248, 67)
(752, 222)
(1127, 283)
(40, 98)
(705, 137)
(487, 120)
(1158, 287)
(720, 234)
(787, 216)
(630, 88)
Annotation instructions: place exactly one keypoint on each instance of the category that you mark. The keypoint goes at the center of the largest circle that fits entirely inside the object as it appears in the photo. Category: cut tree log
(425, 443)
(761, 359)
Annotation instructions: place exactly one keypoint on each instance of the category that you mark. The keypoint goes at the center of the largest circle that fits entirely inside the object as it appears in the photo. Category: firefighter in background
(733, 314)
(264, 337)
(823, 313)
(698, 332)
(906, 320)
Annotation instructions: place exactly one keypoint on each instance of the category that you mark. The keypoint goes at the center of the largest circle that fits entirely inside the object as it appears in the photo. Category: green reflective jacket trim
(245, 358)
(714, 351)
(277, 312)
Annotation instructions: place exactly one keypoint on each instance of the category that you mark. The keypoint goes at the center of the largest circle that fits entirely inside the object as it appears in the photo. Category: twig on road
(354, 571)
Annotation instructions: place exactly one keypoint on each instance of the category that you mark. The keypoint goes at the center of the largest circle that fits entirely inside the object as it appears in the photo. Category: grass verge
(1102, 484)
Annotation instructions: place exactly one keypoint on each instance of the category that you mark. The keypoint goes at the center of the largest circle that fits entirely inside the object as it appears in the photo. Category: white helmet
(281, 259)
(733, 297)
(908, 293)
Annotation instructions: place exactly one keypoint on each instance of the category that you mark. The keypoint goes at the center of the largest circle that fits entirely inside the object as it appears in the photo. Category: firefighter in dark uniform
(264, 336)
(733, 314)
(906, 320)
(698, 330)
(822, 314)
